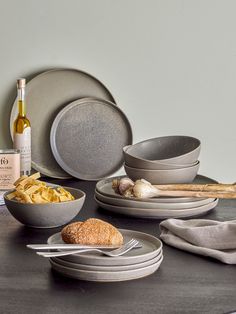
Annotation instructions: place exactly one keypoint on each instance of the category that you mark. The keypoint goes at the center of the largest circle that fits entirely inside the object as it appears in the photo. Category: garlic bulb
(122, 186)
(144, 189)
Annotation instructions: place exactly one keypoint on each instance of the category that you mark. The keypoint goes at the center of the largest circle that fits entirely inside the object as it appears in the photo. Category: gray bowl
(182, 175)
(48, 215)
(178, 150)
(135, 162)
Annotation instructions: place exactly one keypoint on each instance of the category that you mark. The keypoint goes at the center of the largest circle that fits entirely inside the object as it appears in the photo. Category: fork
(117, 252)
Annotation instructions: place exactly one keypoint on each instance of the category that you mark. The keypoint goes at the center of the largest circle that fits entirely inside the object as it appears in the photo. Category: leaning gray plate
(46, 95)
(136, 204)
(158, 213)
(105, 187)
(151, 247)
(60, 261)
(87, 138)
(106, 276)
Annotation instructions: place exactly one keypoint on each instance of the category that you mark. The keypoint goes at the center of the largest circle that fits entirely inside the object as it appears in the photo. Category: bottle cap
(21, 82)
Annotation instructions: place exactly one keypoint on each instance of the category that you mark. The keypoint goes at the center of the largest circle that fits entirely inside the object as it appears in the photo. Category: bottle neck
(21, 102)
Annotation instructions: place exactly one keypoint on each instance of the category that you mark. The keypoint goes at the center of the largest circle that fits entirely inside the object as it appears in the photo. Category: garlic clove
(125, 184)
(115, 185)
(129, 192)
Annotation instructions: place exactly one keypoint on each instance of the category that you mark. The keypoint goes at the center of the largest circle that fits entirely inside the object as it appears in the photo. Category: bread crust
(92, 232)
(69, 232)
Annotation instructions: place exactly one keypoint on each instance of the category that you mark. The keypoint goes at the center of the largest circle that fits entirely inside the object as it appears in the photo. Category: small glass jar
(9, 168)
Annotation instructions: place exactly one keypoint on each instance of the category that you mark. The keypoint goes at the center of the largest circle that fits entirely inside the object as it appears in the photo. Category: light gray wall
(170, 64)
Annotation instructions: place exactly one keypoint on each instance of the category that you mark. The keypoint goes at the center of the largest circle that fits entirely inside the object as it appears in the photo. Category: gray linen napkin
(201, 236)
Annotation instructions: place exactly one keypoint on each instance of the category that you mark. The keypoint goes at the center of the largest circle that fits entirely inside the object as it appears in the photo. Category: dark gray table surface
(185, 283)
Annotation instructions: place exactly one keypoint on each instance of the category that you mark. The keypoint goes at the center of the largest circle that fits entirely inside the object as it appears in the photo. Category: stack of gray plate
(137, 263)
(159, 208)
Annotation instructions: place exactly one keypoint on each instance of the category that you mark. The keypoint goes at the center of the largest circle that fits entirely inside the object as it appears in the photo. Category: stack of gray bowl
(163, 160)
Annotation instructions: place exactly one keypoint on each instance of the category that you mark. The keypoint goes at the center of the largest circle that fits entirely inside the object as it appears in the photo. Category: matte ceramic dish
(104, 187)
(46, 95)
(183, 175)
(151, 247)
(148, 205)
(47, 215)
(106, 276)
(87, 138)
(168, 149)
(136, 162)
(158, 213)
(107, 268)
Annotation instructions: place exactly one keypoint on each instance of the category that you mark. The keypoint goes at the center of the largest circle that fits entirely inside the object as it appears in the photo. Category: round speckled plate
(151, 247)
(149, 262)
(158, 213)
(87, 138)
(106, 276)
(147, 205)
(46, 95)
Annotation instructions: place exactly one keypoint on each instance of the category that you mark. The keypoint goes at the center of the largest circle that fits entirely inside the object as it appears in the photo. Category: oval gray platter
(105, 276)
(105, 187)
(107, 268)
(158, 213)
(87, 138)
(46, 95)
(136, 204)
(151, 247)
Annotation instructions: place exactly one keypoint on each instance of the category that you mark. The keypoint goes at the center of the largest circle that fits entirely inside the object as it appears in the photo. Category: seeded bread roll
(69, 232)
(92, 232)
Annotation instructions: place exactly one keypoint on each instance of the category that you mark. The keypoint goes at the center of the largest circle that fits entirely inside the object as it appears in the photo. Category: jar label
(9, 170)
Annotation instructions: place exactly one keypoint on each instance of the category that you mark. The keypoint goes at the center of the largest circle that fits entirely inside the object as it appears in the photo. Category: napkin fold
(201, 236)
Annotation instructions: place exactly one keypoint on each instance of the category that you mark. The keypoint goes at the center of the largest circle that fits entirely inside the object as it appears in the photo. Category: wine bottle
(22, 130)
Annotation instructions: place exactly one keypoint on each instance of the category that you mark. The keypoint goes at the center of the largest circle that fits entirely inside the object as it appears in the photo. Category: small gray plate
(105, 187)
(151, 247)
(60, 261)
(46, 95)
(158, 213)
(87, 138)
(106, 276)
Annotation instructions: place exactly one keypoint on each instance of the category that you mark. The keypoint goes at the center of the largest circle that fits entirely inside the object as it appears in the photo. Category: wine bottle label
(22, 141)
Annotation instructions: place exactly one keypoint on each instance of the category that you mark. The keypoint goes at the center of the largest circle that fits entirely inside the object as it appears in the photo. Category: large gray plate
(105, 276)
(151, 247)
(136, 204)
(87, 138)
(158, 213)
(60, 261)
(46, 95)
(105, 187)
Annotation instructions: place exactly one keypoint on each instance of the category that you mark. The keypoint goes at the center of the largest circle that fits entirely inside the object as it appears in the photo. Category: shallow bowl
(177, 150)
(136, 162)
(182, 175)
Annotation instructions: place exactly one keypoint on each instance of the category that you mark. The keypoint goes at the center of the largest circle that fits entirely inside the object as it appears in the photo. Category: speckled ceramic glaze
(87, 138)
